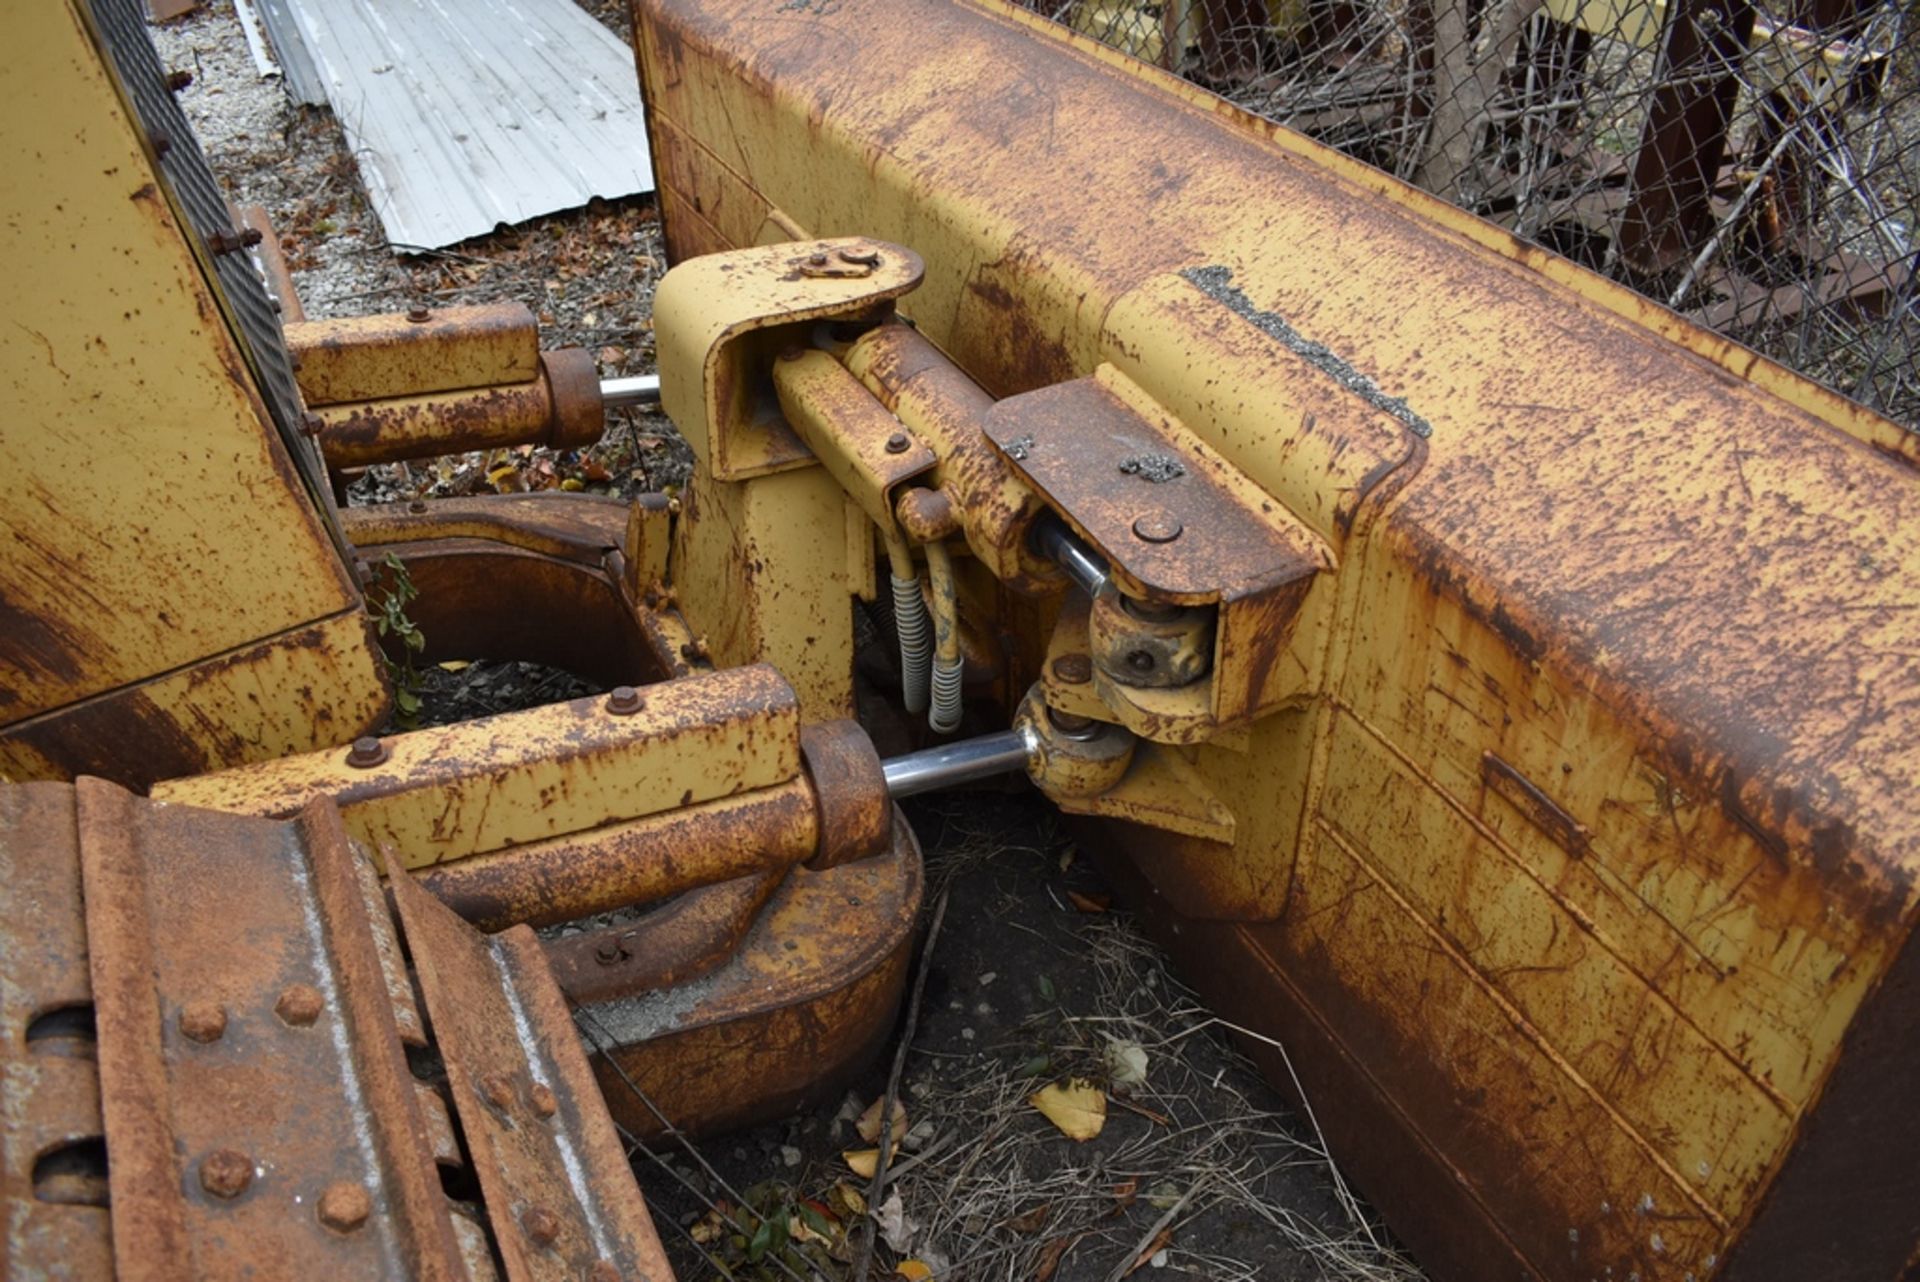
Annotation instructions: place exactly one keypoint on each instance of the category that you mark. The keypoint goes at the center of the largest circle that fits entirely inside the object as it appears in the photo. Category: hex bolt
(861, 257)
(497, 1091)
(419, 315)
(178, 80)
(542, 1100)
(898, 443)
(313, 425)
(226, 1172)
(816, 260)
(1157, 527)
(227, 242)
(417, 506)
(609, 952)
(1072, 669)
(624, 701)
(695, 650)
(299, 1005)
(203, 1021)
(345, 1206)
(366, 753)
(542, 1225)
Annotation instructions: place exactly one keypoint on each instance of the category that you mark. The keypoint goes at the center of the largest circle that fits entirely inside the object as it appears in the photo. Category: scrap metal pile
(1490, 687)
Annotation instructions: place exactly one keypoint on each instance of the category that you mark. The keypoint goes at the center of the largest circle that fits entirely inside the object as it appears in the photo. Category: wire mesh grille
(1753, 168)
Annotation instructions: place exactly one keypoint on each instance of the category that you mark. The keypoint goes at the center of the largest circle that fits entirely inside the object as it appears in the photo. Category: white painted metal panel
(467, 114)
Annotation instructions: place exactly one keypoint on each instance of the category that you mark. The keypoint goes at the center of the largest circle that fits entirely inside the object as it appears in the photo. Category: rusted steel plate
(560, 1194)
(1172, 516)
(804, 1002)
(258, 1106)
(446, 793)
(446, 349)
(53, 1194)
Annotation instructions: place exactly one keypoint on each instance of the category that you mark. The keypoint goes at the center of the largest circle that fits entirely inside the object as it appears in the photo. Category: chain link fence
(1755, 169)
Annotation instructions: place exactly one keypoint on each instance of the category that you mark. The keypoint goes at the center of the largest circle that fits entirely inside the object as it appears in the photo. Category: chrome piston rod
(952, 764)
(628, 393)
(1052, 539)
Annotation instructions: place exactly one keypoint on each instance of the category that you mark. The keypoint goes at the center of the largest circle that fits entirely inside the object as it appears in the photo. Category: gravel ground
(1200, 1172)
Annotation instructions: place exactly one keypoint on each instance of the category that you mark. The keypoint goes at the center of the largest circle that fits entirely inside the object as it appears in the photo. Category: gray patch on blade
(1217, 283)
(1154, 467)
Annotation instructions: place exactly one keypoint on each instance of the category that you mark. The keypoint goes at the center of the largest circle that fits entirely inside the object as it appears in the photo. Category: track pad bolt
(226, 1172)
(345, 1206)
(299, 1005)
(203, 1021)
(624, 701)
(542, 1226)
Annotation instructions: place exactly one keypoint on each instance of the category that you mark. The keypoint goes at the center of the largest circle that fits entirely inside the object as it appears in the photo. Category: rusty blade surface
(53, 1216)
(257, 1102)
(559, 1192)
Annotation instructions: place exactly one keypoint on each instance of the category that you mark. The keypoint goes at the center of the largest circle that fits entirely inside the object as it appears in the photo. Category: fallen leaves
(1126, 1062)
(869, 1125)
(1077, 1107)
(862, 1161)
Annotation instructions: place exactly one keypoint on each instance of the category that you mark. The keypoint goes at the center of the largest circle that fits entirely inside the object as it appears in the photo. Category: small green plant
(388, 598)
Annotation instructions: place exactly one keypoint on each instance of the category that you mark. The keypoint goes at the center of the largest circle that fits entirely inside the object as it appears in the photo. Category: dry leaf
(913, 1270)
(1089, 903)
(1152, 1249)
(1030, 1221)
(1126, 1063)
(1078, 1108)
(850, 1197)
(897, 1228)
(1051, 1255)
(862, 1161)
(869, 1122)
(1126, 1194)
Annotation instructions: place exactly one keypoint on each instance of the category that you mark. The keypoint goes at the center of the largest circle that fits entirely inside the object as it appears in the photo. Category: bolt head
(299, 1005)
(542, 1226)
(1072, 669)
(313, 425)
(609, 951)
(624, 701)
(1157, 527)
(417, 506)
(203, 1021)
(226, 1172)
(898, 443)
(366, 753)
(497, 1091)
(816, 260)
(542, 1100)
(345, 1206)
(419, 315)
(178, 80)
(860, 256)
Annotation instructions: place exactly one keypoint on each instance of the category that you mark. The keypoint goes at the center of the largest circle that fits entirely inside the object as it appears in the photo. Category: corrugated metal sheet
(466, 114)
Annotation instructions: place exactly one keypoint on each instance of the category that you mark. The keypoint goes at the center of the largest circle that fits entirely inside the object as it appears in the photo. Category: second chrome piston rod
(953, 764)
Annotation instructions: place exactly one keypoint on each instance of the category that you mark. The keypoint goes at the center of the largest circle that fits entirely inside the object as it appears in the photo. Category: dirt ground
(1200, 1171)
